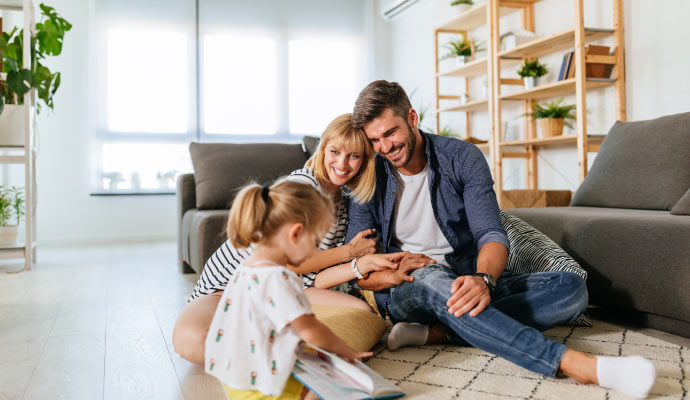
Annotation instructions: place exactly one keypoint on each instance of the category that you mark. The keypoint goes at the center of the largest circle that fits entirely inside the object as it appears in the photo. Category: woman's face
(341, 165)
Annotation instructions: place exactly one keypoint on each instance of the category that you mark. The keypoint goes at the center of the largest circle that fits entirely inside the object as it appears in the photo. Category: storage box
(534, 198)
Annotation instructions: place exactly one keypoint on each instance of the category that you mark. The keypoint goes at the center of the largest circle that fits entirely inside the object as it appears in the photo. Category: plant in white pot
(461, 49)
(461, 5)
(531, 71)
(11, 211)
(46, 41)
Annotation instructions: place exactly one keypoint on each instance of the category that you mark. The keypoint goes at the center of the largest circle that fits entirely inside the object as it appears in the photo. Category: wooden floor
(96, 323)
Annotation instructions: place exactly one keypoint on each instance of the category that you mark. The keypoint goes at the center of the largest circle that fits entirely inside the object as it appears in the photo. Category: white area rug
(449, 372)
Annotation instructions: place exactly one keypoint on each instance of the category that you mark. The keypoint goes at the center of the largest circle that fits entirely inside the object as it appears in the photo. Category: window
(168, 73)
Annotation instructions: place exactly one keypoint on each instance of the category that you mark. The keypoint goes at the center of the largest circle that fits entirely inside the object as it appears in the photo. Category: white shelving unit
(24, 154)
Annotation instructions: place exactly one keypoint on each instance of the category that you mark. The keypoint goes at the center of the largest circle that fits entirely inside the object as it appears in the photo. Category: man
(434, 198)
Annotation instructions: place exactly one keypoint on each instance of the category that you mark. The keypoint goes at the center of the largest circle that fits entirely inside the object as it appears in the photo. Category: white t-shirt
(414, 226)
(250, 344)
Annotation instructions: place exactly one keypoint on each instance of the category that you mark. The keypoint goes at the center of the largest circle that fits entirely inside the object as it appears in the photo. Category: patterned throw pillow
(532, 251)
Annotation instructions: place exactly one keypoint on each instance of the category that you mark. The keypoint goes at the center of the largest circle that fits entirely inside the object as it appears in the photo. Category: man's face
(392, 137)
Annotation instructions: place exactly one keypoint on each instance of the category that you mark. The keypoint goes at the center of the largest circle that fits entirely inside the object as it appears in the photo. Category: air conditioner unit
(395, 7)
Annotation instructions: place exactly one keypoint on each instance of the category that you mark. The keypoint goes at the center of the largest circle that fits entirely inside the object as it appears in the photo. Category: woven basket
(551, 126)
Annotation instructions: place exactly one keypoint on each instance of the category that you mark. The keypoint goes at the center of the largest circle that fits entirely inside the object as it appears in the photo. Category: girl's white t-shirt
(250, 344)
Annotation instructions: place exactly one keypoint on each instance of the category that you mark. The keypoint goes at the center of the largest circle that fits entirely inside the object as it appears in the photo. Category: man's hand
(389, 278)
(408, 263)
(360, 245)
(469, 293)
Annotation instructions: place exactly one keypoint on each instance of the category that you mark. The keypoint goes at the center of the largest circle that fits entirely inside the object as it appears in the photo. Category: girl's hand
(360, 245)
(378, 262)
(350, 354)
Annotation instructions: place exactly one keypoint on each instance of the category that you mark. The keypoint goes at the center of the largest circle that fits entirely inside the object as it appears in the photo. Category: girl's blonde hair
(341, 134)
(257, 212)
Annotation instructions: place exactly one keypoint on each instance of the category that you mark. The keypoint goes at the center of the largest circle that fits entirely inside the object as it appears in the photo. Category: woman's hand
(379, 262)
(360, 245)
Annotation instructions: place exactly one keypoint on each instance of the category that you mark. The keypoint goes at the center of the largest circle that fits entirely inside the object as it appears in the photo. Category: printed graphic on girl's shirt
(253, 377)
(253, 345)
(212, 363)
(273, 367)
(220, 334)
(255, 279)
(270, 300)
(272, 336)
(227, 305)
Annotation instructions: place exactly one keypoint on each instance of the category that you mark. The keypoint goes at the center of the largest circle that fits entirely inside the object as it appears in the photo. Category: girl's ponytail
(258, 212)
(247, 216)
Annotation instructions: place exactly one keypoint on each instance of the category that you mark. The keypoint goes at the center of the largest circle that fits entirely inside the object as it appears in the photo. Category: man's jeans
(521, 306)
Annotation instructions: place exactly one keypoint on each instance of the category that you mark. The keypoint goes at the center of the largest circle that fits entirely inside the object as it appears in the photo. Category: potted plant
(531, 71)
(552, 117)
(11, 205)
(461, 49)
(461, 5)
(46, 41)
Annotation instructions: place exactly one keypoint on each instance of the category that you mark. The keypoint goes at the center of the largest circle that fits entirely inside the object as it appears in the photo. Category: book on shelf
(593, 70)
(565, 61)
(331, 377)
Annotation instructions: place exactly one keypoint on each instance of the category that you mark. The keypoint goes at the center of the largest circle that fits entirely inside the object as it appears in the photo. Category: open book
(332, 378)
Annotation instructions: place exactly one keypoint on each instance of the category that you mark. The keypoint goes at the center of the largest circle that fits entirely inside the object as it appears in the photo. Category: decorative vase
(462, 60)
(530, 82)
(9, 235)
(551, 126)
(461, 8)
(12, 125)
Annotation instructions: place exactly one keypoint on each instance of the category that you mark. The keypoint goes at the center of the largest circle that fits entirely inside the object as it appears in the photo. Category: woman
(342, 167)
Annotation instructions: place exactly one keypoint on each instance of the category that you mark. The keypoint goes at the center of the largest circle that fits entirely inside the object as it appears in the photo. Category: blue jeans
(521, 306)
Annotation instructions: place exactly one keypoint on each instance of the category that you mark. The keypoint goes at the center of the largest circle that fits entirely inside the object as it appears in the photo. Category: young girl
(264, 314)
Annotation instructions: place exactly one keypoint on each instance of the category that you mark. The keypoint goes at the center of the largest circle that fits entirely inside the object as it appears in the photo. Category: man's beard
(411, 144)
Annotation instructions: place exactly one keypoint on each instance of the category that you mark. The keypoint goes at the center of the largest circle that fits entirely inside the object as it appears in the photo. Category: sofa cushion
(636, 259)
(531, 251)
(642, 164)
(220, 169)
(683, 205)
(310, 144)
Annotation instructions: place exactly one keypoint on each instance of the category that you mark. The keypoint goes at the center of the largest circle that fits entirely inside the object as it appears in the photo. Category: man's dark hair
(375, 98)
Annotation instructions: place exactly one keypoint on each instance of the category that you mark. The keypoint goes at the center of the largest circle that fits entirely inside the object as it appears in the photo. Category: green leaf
(2, 103)
(20, 82)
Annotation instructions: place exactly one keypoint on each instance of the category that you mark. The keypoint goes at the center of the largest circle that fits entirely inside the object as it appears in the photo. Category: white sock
(407, 333)
(632, 375)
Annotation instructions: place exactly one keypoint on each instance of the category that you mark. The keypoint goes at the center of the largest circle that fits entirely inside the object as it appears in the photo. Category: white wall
(66, 212)
(657, 81)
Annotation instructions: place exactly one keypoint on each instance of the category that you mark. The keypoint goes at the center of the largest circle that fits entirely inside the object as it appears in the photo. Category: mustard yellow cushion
(359, 328)
(292, 391)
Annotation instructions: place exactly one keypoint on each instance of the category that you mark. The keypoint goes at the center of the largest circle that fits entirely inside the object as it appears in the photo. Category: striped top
(223, 263)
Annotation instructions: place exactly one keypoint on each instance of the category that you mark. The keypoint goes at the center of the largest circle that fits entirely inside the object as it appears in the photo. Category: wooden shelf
(556, 89)
(552, 44)
(13, 5)
(554, 140)
(483, 146)
(472, 68)
(12, 159)
(14, 251)
(476, 16)
(477, 105)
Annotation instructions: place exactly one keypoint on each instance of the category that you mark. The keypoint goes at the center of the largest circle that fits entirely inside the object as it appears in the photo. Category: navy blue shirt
(462, 198)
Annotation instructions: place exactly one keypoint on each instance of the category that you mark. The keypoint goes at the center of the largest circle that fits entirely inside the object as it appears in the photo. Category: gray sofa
(619, 228)
(220, 169)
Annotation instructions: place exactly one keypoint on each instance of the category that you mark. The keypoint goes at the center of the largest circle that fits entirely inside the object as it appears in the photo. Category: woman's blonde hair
(258, 212)
(341, 134)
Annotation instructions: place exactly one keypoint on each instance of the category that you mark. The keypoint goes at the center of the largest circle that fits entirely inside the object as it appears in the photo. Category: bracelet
(355, 269)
